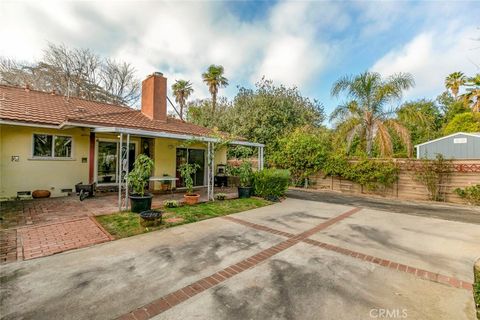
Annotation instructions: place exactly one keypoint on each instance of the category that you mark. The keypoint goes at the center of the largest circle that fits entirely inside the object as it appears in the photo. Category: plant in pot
(138, 181)
(245, 174)
(166, 184)
(187, 170)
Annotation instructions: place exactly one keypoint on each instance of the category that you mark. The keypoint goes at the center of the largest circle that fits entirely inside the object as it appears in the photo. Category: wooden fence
(465, 173)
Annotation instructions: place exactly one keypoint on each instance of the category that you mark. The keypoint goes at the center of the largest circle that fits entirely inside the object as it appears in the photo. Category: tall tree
(75, 72)
(454, 81)
(472, 95)
(182, 89)
(215, 80)
(263, 114)
(363, 114)
(422, 128)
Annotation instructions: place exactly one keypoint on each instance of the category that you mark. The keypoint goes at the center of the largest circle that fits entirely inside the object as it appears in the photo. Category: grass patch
(126, 224)
(476, 289)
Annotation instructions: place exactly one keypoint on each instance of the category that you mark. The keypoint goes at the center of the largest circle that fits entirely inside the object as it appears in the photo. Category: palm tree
(364, 115)
(472, 95)
(182, 89)
(214, 79)
(454, 81)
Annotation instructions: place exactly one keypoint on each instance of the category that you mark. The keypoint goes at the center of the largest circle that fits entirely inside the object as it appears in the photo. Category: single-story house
(460, 145)
(52, 142)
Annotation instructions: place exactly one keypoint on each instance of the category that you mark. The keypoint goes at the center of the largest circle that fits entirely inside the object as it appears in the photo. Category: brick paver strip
(172, 299)
(420, 273)
(423, 274)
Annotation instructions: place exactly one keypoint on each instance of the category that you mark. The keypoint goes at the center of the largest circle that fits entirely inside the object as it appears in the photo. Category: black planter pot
(244, 192)
(139, 203)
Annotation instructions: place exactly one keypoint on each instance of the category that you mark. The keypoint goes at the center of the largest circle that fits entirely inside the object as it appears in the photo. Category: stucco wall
(30, 174)
(165, 156)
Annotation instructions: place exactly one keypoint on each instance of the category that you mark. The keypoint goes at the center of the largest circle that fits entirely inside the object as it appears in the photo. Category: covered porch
(167, 150)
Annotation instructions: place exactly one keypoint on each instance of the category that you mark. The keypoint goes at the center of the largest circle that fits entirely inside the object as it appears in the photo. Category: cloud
(181, 39)
(430, 56)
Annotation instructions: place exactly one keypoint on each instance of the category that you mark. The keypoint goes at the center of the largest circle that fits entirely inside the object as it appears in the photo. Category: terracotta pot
(41, 194)
(191, 198)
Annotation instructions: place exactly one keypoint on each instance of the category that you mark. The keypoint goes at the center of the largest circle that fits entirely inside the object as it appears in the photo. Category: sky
(307, 44)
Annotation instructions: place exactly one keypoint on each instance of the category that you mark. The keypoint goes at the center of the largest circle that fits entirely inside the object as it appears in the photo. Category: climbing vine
(372, 174)
(433, 174)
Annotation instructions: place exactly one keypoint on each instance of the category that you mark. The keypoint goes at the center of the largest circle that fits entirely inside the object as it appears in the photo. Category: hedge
(271, 183)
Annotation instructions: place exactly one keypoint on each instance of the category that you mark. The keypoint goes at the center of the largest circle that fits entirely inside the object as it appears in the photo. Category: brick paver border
(172, 299)
(423, 274)
(47, 239)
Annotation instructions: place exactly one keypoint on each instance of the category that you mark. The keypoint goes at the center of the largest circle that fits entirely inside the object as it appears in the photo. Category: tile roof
(37, 107)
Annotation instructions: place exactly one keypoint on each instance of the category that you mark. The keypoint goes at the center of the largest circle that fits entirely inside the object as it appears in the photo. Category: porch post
(212, 171)
(119, 173)
(126, 171)
(208, 171)
(260, 158)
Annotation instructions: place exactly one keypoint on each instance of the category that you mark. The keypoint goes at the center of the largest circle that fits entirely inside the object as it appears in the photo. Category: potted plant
(138, 181)
(166, 184)
(245, 174)
(187, 170)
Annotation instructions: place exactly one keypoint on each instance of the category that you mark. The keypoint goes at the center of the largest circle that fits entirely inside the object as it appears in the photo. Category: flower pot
(244, 192)
(139, 203)
(41, 194)
(191, 198)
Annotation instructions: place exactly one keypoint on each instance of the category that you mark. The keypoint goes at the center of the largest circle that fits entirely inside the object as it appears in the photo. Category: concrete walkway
(293, 260)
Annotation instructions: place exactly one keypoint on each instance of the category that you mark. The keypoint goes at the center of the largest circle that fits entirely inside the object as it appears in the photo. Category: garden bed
(126, 224)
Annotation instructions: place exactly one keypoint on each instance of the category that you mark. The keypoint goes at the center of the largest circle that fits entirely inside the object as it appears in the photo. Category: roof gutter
(156, 134)
(29, 124)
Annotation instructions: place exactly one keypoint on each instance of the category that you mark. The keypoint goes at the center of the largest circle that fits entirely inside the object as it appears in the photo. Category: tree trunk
(181, 112)
(214, 102)
(369, 141)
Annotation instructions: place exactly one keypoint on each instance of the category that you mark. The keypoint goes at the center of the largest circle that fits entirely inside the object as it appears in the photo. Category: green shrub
(245, 172)
(369, 173)
(302, 151)
(170, 203)
(471, 194)
(138, 178)
(221, 196)
(271, 183)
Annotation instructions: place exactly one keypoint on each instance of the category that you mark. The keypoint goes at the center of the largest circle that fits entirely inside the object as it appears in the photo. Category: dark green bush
(271, 183)
(370, 173)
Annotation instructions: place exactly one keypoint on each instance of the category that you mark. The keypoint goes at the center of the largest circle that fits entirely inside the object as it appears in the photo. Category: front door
(107, 161)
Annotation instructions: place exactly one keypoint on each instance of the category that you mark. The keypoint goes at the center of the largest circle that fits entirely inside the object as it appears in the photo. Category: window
(52, 146)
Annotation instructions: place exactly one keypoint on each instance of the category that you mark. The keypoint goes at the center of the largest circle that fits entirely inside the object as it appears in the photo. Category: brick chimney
(154, 97)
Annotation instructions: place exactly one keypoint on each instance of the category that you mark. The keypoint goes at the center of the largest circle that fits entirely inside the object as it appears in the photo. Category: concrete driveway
(297, 259)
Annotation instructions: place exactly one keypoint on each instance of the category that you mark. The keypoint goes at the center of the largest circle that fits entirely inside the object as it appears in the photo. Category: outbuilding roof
(473, 134)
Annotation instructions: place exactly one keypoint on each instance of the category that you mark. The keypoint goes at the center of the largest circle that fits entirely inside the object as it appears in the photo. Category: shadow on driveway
(424, 209)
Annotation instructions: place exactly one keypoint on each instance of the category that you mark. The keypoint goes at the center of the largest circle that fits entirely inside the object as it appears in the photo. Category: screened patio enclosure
(124, 161)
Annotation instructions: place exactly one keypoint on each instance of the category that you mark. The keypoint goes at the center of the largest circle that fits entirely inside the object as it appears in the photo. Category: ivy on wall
(372, 174)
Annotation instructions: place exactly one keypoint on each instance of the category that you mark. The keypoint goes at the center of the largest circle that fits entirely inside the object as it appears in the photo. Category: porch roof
(159, 134)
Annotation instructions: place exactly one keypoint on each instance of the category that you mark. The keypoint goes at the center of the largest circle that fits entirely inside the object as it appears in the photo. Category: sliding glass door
(107, 161)
(191, 156)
